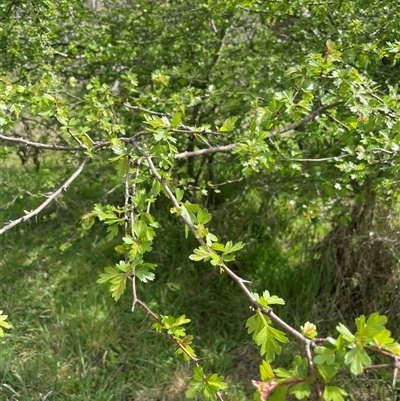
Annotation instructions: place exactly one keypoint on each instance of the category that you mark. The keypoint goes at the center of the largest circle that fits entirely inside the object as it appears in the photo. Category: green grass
(71, 341)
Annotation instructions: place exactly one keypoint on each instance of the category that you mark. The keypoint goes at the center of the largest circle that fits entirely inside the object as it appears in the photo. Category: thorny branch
(241, 282)
(48, 200)
(41, 145)
(132, 222)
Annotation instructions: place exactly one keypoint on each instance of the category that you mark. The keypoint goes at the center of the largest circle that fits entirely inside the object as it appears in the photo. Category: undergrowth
(71, 341)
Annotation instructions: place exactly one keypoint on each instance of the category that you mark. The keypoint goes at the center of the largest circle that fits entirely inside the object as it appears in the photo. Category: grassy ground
(71, 341)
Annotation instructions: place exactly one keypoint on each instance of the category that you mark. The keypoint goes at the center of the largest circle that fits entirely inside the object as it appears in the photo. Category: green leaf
(179, 194)
(265, 335)
(128, 240)
(272, 299)
(191, 393)
(345, 332)
(181, 320)
(216, 260)
(352, 123)
(266, 372)
(203, 217)
(173, 326)
(140, 228)
(123, 266)
(218, 247)
(143, 273)
(332, 393)
(324, 355)
(374, 325)
(266, 299)
(185, 342)
(300, 366)
(283, 373)
(87, 141)
(198, 374)
(110, 273)
(327, 372)
(357, 358)
(217, 382)
(117, 287)
(229, 124)
(279, 394)
(200, 253)
(300, 390)
(210, 238)
(176, 120)
(3, 323)
(188, 213)
(112, 231)
(394, 348)
(383, 338)
(229, 247)
(197, 383)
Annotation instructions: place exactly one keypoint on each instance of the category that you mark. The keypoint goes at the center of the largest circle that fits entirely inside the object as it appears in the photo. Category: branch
(307, 118)
(323, 159)
(190, 130)
(312, 371)
(290, 127)
(396, 371)
(132, 223)
(200, 152)
(239, 281)
(156, 113)
(178, 344)
(48, 200)
(40, 145)
(96, 145)
(157, 319)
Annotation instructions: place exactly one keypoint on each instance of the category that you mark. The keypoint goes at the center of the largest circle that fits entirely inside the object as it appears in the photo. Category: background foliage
(296, 105)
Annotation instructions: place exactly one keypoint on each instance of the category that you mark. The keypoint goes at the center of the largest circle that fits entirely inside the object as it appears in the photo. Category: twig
(219, 184)
(126, 203)
(190, 130)
(396, 371)
(312, 371)
(307, 118)
(157, 113)
(382, 352)
(48, 200)
(322, 159)
(200, 152)
(178, 344)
